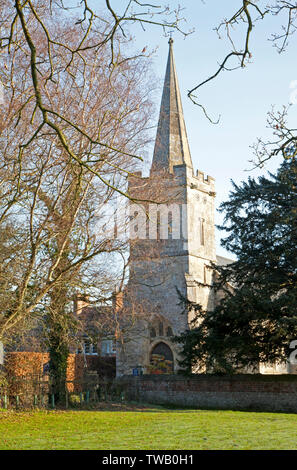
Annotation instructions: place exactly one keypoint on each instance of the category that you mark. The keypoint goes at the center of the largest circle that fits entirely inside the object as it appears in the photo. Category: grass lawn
(146, 428)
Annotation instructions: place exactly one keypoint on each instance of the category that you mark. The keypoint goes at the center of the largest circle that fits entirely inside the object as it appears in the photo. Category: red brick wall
(253, 392)
(25, 363)
(31, 363)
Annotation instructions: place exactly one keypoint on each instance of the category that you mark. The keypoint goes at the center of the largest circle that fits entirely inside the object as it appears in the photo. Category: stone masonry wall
(238, 392)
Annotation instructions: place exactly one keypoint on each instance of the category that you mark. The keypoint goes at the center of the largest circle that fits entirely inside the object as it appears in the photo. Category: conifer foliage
(256, 320)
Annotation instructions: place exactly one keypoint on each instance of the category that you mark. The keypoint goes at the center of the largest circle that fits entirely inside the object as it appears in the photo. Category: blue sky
(242, 97)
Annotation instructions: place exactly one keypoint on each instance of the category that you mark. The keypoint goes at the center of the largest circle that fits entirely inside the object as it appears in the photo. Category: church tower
(172, 243)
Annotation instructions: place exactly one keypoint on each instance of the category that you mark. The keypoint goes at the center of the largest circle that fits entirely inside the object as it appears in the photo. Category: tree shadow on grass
(137, 407)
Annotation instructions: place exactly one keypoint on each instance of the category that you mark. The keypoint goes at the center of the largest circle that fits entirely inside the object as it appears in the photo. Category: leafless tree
(247, 15)
(57, 175)
(38, 60)
(283, 142)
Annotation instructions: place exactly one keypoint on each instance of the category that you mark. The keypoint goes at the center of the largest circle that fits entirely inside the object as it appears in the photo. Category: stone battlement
(204, 178)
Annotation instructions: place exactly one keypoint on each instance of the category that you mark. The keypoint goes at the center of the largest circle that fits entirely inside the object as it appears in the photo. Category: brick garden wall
(24, 363)
(32, 363)
(238, 392)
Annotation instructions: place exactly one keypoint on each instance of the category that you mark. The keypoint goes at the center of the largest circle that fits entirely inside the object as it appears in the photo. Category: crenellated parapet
(200, 175)
(186, 177)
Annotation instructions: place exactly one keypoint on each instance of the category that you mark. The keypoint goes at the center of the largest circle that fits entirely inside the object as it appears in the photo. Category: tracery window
(160, 327)
(153, 333)
(169, 331)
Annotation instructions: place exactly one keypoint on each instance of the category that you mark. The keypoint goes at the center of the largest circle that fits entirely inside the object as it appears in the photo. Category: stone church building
(160, 266)
(172, 248)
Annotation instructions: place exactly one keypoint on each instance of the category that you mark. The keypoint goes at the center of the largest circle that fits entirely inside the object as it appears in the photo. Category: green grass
(147, 428)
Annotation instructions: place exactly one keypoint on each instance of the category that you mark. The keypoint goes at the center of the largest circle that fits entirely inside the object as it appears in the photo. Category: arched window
(161, 360)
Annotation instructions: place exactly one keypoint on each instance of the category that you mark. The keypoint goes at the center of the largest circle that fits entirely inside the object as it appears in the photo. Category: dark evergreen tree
(256, 320)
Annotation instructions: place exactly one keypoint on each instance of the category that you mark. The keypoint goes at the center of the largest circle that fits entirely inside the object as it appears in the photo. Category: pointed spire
(171, 146)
